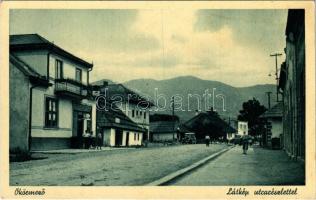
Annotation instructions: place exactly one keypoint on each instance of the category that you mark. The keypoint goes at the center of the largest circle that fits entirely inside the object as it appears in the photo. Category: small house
(117, 129)
(274, 126)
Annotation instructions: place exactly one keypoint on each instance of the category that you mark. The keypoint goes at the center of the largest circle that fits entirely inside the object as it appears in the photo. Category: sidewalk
(259, 167)
(74, 151)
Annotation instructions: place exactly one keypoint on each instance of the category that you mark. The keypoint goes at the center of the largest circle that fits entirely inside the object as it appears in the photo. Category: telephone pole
(276, 72)
(269, 93)
(172, 101)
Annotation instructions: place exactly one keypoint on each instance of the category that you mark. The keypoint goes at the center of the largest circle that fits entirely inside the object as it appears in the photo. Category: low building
(164, 131)
(133, 105)
(52, 91)
(116, 128)
(273, 126)
(206, 123)
(231, 130)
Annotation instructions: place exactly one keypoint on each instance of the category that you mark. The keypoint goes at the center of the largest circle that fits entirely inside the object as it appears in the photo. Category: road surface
(117, 167)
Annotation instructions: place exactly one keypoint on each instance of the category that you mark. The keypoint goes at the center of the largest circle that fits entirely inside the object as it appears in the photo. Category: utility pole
(276, 72)
(269, 93)
(172, 101)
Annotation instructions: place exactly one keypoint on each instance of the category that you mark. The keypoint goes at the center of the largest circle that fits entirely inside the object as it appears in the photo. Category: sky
(231, 46)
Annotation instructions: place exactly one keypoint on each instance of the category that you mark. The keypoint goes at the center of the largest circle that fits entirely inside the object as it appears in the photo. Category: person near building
(244, 144)
(99, 141)
(207, 140)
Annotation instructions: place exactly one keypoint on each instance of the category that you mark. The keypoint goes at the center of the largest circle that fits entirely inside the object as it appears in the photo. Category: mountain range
(191, 93)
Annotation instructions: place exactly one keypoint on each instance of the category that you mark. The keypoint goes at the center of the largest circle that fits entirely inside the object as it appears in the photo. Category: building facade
(131, 104)
(273, 136)
(62, 112)
(292, 85)
(242, 128)
(164, 131)
(116, 128)
(21, 79)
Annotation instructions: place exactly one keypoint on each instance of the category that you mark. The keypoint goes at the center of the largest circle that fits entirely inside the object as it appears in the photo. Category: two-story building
(242, 128)
(58, 112)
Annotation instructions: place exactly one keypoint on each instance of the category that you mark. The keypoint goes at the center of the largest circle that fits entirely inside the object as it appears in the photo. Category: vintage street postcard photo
(141, 95)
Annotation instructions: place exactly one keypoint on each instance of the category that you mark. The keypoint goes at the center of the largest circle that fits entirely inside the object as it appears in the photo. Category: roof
(25, 68)
(34, 76)
(275, 111)
(163, 117)
(163, 126)
(282, 77)
(108, 117)
(295, 21)
(207, 123)
(36, 42)
(127, 95)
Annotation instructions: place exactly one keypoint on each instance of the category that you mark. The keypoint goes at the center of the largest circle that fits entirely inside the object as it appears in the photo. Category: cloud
(231, 46)
(105, 30)
(253, 28)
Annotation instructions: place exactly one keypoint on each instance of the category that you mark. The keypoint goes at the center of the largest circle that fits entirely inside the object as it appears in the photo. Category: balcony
(70, 89)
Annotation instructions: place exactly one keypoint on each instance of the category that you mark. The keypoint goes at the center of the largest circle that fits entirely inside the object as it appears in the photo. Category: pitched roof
(37, 42)
(127, 95)
(163, 126)
(34, 76)
(207, 123)
(27, 39)
(25, 68)
(275, 111)
(108, 118)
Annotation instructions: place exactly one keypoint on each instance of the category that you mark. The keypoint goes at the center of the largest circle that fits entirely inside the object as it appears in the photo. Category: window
(59, 69)
(133, 113)
(144, 115)
(78, 75)
(134, 136)
(138, 136)
(51, 112)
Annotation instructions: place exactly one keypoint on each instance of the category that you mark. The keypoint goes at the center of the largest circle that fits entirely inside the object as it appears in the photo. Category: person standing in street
(207, 140)
(244, 145)
(99, 141)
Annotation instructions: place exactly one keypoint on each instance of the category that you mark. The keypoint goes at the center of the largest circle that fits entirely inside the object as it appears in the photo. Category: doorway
(118, 137)
(127, 139)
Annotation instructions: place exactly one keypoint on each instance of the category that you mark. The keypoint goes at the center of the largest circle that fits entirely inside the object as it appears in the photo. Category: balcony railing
(70, 88)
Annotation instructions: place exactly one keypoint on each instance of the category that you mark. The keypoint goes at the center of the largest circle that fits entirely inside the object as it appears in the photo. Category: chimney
(210, 111)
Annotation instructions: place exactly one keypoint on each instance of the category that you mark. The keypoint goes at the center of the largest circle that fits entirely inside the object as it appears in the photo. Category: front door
(80, 130)
(127, 138)
(118, 137)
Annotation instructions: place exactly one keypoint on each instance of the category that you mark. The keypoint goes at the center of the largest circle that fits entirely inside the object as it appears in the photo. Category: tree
(251, 110)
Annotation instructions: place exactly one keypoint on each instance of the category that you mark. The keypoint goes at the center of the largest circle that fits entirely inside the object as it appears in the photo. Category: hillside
(189, 89)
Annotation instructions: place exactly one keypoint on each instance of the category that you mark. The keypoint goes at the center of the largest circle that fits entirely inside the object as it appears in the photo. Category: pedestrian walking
(244, 145)
(99, 141)
(207, 140)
